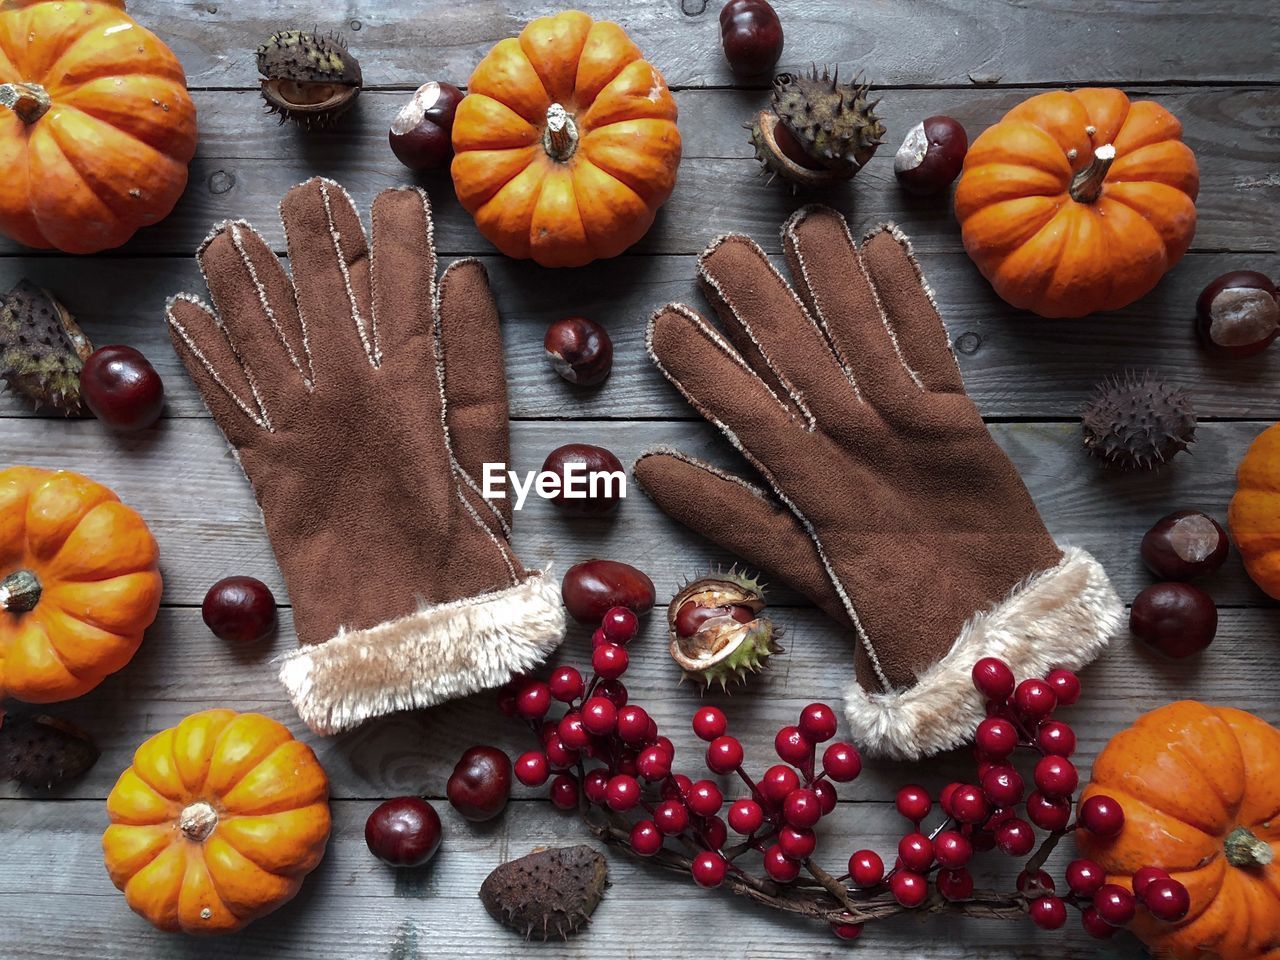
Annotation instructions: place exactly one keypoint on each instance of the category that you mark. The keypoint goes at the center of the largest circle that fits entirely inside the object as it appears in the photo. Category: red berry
(1056, 738)
(792, 746)
(797, 842)
(915, 850)
(566, 684)
(666, 744)
(653, 764)
(564, 791)
(1034, 699)
(968, 805)
(745, 816)
(599, 716)
(1115, 904)
(596, 785)
(996, 738)
(507, 702)
(818, 722)
(622, 792)
(614, 692)
(1003, 786)
(571, 731)
(1038, 883)
(532, 769)
(913, 802)
(1056, 776)
(1015, 837)
(1102, 815)
(671, 816)
(677, 787)
(955, 884)
(534, 700)
(842, 762)
(952, 849)
(598, 638)
(239, 609)
(609, 660)
(558, 755)
(645, 838)
(1066, 686)
(1167, 899)
(826, 795)
(1085, 877)
(632, 724)
(802, 808)
(1048, 913)
(1094, 925)
(705, 799)
(1143, 876)
(944, 798)
(993, 678)
(709, 723)
(778, 782)
(866, 868)
(709, 869)
(779, 866)
(847, 931)
(724, 755)
(1047, 813)
(620, 625)
(909, 889)
(715, 832)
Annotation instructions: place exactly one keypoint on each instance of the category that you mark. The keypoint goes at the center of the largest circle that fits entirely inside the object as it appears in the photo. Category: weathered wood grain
(57, 902)
(922, 43)
(181, 476)
(1014, 365)
(246, 162)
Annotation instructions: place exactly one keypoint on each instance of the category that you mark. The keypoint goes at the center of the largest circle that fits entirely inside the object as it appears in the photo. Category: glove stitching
(488, 531)
(238, 242)
(336, 236)
(262, 420)
(293, 288)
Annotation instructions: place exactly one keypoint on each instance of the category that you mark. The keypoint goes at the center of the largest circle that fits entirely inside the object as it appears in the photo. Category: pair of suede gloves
(362, 397)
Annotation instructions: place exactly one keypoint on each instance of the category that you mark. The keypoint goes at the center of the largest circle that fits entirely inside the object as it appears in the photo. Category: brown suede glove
(895, 511)
(361, 401)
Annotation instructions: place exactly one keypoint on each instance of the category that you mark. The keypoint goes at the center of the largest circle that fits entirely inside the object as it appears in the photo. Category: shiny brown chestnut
(751, 35)
(480, 783)
(239, 609)
(1185, 545)
(580, 350)
(1176, 619)
(590, 588)
(600, 492)
(1238, 314)
(121, 388)
(931, 155)
(403, 832)
(421, 134)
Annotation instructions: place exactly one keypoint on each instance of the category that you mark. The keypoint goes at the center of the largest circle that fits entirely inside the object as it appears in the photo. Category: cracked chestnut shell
(717, 634)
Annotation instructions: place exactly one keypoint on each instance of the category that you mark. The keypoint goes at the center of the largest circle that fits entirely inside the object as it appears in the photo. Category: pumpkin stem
(1246, 850)
(1086, 186)
(20, 591)
(560, 139)
(29, 101)
(197, 821)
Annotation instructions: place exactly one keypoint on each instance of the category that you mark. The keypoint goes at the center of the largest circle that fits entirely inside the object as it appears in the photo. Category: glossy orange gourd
(217, 822)
(566, 143)
(1078, 202)
(79, 584)
(96, 127)
(1254, 515)
(1200, 788)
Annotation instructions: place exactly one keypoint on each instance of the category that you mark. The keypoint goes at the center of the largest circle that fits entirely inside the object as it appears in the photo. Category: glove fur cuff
(1061, 617)
(435, 654)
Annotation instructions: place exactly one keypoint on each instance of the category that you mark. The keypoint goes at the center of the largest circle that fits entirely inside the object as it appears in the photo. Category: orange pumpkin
(1078, 202)
(1254, 516)
(566, 144)
(99, 128)
(1200, 788)
(217, 822)
(78, 584)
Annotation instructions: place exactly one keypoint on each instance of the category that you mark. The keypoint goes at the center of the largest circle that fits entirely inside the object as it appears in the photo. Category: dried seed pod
(43, 752)
(308, 78)
(717, 633)
(1138, 423)
(41, 349)
(548, 893)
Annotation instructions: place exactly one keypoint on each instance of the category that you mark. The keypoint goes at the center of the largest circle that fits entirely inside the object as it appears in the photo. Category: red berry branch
(611, 764)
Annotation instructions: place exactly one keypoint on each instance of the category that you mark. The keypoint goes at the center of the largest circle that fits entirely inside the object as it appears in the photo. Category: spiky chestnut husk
(548, 893)
(308, 78)
(1138, 423)
(41, 349)
(42, 752)
(826, 130)
(717, 633)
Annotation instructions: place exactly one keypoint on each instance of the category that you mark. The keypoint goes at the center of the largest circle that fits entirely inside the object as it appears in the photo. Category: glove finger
(475, 383)
(329, 257)
(740, 517)
(228, 391)
(831, 277)
(404, 279)
(908, 302)
(770, 326)
(260, 319)
(721, 386)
